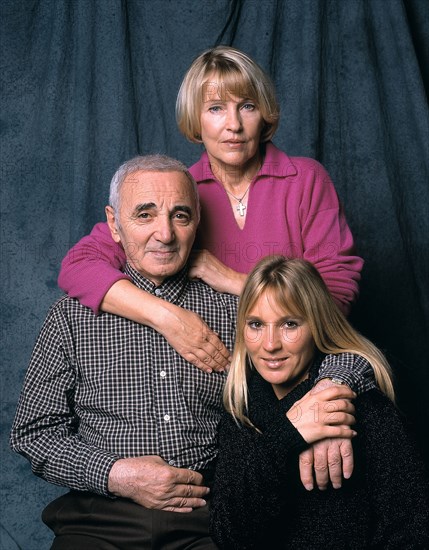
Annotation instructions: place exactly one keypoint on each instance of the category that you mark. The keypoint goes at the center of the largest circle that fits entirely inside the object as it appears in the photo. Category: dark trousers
(86, 521)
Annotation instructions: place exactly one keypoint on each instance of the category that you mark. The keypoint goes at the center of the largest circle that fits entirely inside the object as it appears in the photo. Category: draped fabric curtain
(87, 84)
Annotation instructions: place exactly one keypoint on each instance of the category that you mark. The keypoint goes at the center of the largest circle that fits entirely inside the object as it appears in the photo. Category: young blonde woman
(287, 322)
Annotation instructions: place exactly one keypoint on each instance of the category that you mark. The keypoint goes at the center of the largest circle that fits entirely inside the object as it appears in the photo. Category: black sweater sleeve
(394, 474)
(248, 473)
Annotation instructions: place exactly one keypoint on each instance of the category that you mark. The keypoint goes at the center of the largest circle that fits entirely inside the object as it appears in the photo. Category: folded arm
(330, 460)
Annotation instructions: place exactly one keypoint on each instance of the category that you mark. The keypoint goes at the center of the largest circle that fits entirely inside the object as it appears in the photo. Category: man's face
(156, 223)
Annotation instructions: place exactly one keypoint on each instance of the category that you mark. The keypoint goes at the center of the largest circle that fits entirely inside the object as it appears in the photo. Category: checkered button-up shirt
(100, 388)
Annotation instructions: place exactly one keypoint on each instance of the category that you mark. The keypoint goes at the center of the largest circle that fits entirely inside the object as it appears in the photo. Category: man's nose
(165, 229)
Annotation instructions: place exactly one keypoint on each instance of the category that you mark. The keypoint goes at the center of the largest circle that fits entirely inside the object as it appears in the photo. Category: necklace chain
(240, 207)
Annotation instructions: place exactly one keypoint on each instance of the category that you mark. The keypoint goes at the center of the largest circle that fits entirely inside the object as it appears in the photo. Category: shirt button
(163, 374)
(167, 418)
(171, 462)
(158, 292)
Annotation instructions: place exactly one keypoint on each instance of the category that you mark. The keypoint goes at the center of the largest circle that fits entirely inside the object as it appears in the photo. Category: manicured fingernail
(336, 485)
(309, 486)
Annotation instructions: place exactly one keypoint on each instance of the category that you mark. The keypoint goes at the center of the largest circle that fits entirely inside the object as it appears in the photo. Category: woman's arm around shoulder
(92, 266)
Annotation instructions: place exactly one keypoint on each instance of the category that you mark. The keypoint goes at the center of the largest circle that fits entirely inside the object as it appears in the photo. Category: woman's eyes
(258, 325)
(244, 107)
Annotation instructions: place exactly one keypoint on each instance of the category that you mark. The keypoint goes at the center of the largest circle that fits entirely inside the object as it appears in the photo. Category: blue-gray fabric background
(86, 84)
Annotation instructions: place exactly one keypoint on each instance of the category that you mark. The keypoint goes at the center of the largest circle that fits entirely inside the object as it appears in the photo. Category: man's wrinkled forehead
(158, 188)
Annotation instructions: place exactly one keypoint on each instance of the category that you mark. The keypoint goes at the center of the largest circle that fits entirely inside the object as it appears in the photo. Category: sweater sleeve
(328, 241)
(92, 266)
(248, 473)
(395, 473)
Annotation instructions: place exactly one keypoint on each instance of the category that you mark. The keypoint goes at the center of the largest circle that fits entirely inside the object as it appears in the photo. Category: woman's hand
(328, 413)
(184, 330)
(212, 271)
(189, 335)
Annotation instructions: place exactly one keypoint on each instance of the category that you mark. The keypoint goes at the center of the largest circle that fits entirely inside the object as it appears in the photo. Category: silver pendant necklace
(240, 207)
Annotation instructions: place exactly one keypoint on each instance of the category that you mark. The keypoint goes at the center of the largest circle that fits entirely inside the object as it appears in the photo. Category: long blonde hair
(298, 287)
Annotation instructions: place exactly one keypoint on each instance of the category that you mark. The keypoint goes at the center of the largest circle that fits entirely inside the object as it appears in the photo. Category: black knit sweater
(258, 499)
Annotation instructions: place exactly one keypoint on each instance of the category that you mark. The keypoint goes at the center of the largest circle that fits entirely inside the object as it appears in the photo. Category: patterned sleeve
(45, 429)
(353, 370)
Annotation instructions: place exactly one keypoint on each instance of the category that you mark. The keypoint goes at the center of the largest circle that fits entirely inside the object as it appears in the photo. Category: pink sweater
(293, 209)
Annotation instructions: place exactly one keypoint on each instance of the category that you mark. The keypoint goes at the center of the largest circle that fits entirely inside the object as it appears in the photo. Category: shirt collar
(171, 289)
(276, 164)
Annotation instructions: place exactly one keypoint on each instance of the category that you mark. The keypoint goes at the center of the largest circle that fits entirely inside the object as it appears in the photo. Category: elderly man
(101, 388)
(108, 408)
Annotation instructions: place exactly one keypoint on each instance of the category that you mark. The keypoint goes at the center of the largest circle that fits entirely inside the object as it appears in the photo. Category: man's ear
(111, 222)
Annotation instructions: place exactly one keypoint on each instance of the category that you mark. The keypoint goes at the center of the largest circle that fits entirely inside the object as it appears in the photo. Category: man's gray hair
(147, 163)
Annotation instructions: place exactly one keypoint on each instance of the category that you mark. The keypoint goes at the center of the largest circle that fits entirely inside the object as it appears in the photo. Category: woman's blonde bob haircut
(297, 286)
(239, 76)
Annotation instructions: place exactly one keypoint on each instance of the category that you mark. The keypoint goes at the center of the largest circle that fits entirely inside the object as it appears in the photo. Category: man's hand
(189, 335)
(152, 483)
(329, 459)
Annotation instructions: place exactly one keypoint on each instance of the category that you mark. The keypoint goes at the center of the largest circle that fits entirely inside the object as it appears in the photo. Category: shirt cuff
(97, 472)
(353, 370)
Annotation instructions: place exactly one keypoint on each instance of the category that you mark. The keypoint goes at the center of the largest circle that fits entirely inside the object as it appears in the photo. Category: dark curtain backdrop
(86, 84)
